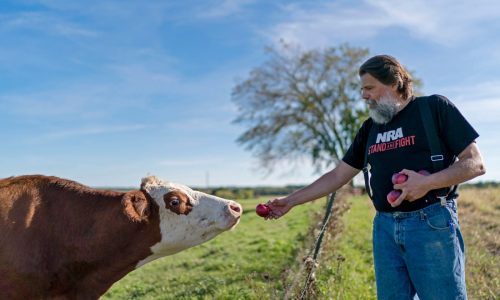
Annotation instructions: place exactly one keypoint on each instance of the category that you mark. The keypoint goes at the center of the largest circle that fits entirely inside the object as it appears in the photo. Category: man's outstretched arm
(326, 184)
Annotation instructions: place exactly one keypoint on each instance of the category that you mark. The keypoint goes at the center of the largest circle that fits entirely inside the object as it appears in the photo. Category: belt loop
(422, 215)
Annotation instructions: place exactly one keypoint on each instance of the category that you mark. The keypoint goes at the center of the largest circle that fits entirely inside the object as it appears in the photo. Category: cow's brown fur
(177, 202)
(62, 240)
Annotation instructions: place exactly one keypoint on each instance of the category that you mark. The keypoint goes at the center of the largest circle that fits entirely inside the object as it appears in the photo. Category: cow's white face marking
(187, 217)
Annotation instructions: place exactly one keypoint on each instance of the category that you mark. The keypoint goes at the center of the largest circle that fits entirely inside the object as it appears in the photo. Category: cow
(60, 239)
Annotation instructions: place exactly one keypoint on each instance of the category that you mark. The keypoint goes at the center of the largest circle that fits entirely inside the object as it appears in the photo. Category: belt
(441, 195)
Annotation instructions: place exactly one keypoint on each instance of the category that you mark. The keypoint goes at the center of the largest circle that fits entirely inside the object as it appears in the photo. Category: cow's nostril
(235, 207)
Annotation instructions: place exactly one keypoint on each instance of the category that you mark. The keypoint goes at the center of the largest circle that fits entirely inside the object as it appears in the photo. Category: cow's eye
(174, 202)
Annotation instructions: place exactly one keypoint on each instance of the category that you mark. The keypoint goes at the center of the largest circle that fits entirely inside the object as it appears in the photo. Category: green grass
(250, 262)
(346, 265)
(259, 260)
(479, 213)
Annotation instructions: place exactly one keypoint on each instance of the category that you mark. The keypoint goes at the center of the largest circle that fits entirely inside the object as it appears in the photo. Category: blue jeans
(419, 254)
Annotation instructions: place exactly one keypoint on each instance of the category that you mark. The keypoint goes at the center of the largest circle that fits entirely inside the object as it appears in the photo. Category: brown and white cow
(62, 240)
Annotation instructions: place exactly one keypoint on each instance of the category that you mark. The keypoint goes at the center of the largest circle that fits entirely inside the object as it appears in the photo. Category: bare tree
(301, 104)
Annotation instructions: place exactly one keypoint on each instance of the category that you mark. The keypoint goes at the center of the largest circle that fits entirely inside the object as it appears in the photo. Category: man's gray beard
(383, 110)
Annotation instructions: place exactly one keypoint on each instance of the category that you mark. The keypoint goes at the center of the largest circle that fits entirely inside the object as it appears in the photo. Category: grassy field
(261, 260)
(479, 213)
(250, 262)
(346, 268)
(346, 264)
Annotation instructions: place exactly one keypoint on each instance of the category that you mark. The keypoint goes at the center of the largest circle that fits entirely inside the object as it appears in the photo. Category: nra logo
(390, 140)
(390, 135)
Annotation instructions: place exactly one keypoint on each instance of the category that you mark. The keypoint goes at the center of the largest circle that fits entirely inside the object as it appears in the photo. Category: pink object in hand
(398, 178)
(262, 210)
(393, 195)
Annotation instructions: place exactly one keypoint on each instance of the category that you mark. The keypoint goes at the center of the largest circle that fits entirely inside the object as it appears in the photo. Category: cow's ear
(136, 205)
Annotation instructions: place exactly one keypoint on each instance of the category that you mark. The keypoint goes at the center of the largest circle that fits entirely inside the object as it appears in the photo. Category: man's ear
(136, 206)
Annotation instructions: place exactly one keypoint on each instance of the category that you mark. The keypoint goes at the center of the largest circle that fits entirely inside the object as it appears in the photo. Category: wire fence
(311, 261)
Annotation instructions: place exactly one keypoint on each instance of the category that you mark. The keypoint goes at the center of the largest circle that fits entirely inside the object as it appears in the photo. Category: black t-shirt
(402, 144)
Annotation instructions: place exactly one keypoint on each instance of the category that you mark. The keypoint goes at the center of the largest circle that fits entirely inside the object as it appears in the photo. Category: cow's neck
(117, 244)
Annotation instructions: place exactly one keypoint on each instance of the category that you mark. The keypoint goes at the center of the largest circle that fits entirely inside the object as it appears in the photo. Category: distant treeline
(482, 184)
(236, 193)
(239, 193)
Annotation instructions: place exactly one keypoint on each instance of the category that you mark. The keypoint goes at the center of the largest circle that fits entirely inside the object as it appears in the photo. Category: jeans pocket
(438, 221)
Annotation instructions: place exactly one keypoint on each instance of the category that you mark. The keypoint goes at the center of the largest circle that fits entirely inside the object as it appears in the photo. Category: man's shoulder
(367, 125)
(433, 97)
(436, 101)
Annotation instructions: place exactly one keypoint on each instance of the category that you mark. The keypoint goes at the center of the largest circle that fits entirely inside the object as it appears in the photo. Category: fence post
(328, 213)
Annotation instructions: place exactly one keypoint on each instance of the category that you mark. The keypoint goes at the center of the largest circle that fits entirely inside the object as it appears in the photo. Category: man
(417, 243)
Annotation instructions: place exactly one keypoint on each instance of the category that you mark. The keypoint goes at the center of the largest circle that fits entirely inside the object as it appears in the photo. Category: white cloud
(117, 86)
(442, 22)
(224, 9)
(80, 100)
(45, 22)
(479, 102)
(85, 131)
(322, 25)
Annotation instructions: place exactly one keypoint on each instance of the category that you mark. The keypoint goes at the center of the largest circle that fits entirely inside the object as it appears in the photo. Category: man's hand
(469, 165)
(415, 187)
(279, 207)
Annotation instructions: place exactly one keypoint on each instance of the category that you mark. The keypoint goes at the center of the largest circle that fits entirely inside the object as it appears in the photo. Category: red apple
(393, 195)
(424, 172)
(263, 210)
(398, 178)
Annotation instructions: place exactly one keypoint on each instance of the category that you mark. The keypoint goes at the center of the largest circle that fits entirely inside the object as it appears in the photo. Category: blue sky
(106, 92)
